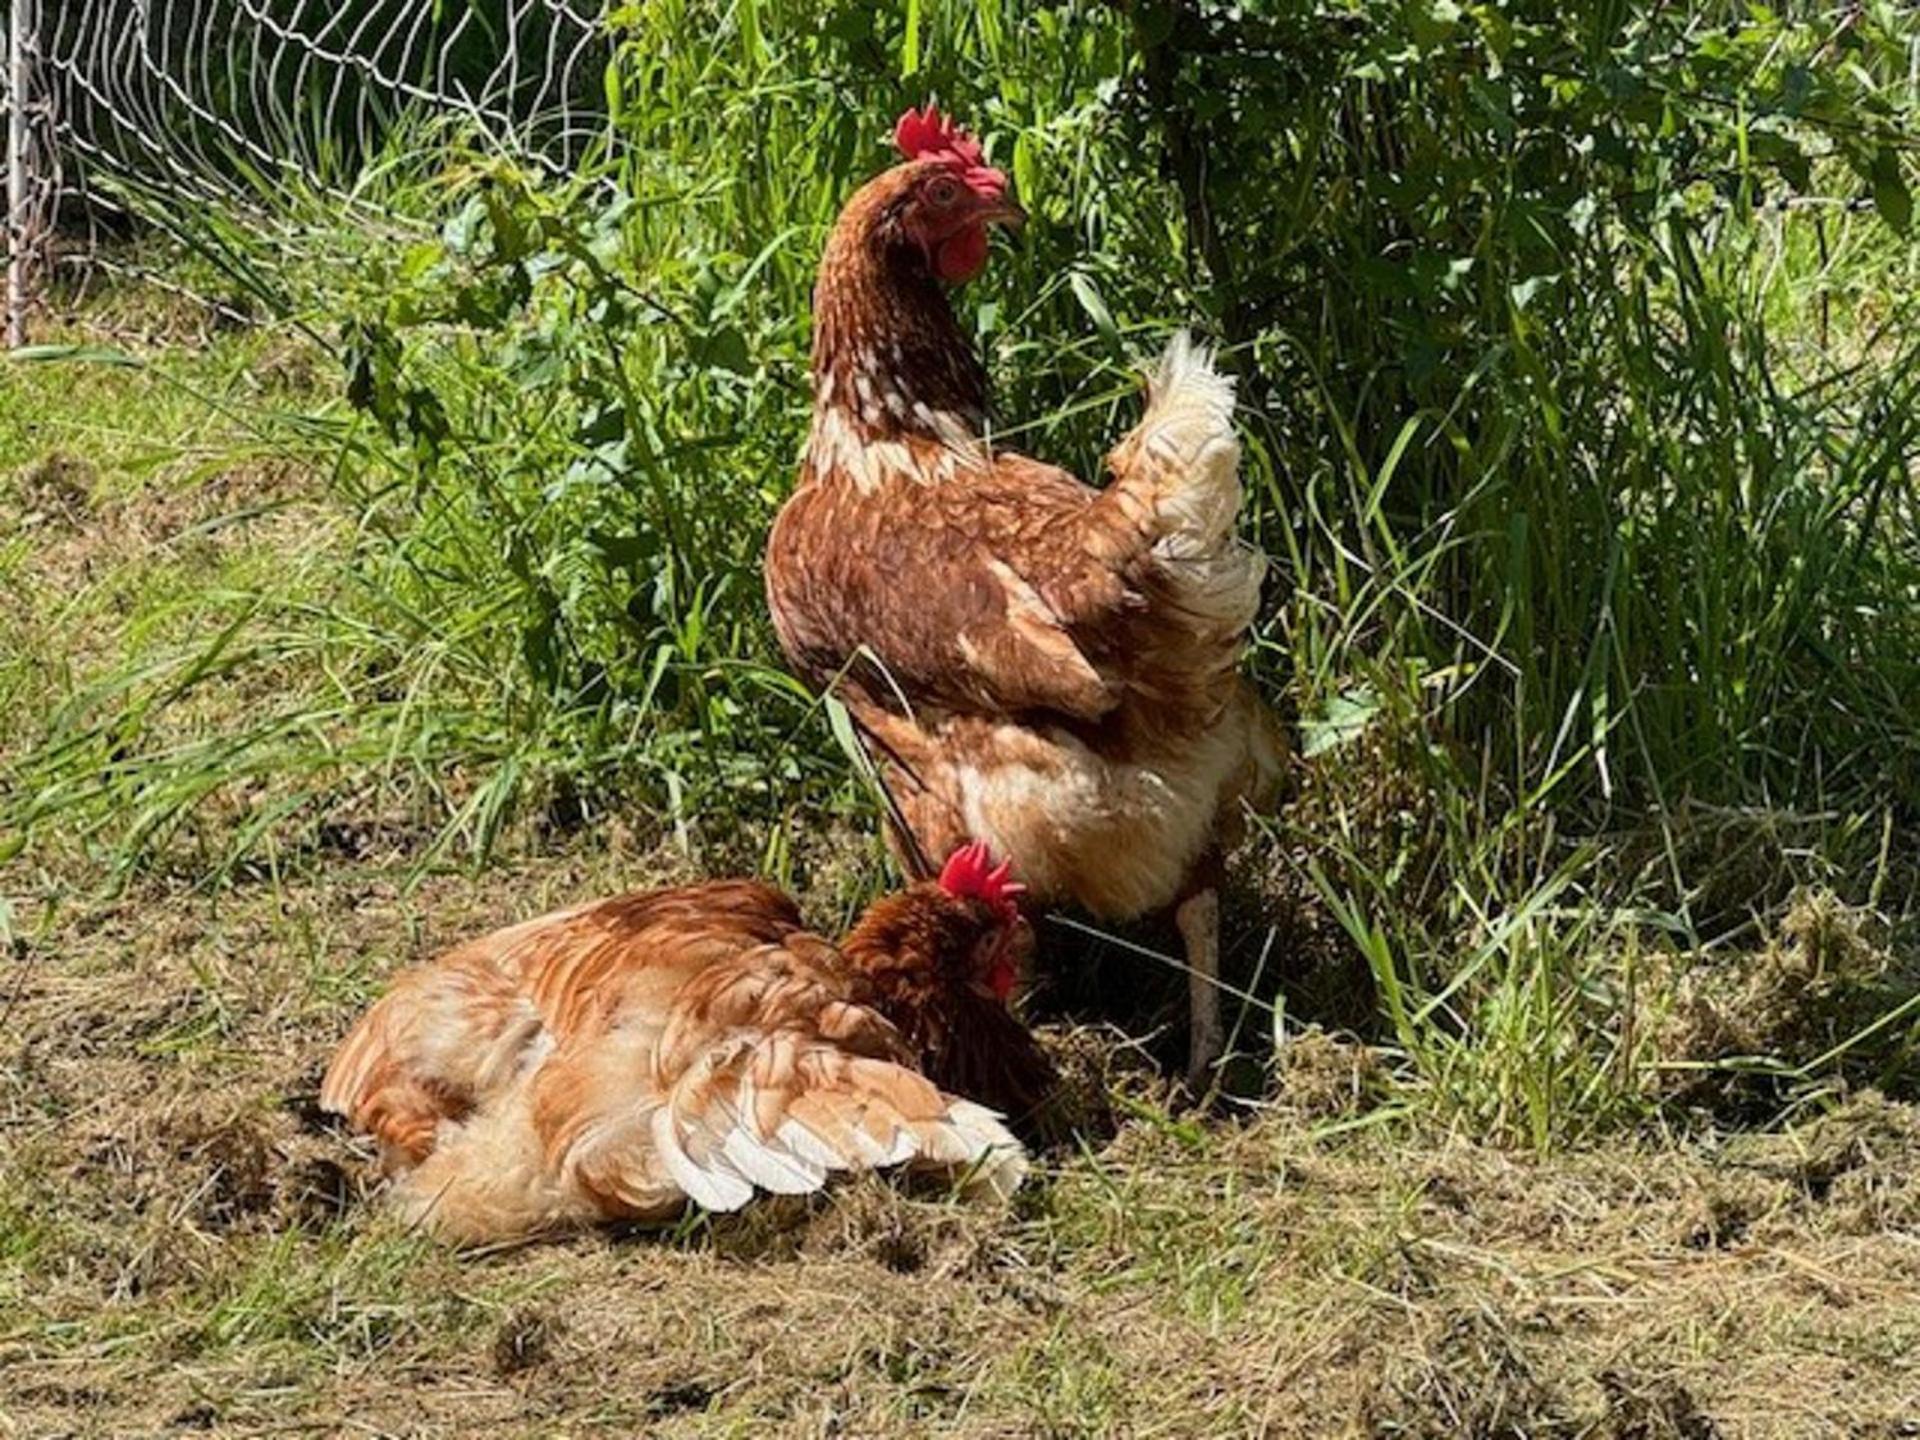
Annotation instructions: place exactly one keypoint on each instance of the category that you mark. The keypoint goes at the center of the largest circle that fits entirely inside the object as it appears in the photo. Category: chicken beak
(1002, 212)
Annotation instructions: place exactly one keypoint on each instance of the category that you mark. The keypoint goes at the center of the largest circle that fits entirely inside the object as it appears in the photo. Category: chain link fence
(119, 109)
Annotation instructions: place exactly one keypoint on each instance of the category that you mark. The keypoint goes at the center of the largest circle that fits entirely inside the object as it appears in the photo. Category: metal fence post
(20, 43)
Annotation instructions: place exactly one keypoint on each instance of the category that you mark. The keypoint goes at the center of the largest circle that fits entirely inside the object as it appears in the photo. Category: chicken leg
(1197, 917)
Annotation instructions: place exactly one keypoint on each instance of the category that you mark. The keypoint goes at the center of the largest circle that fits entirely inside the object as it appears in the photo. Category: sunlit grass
(1560, 611)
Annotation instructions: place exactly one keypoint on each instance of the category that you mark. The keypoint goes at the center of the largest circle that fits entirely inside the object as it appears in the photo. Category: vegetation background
(416, 581)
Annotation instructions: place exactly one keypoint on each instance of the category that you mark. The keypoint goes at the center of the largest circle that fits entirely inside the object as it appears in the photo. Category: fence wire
(141, 104)
(31, 159)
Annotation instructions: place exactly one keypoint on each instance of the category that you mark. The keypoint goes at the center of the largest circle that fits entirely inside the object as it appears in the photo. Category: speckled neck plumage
(889, 359)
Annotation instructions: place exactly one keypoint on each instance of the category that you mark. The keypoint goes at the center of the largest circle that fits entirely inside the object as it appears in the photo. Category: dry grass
(1729, 1029)
(183, 1246)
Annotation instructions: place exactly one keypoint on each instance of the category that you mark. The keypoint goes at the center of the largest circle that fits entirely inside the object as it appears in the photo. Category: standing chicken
(618, 1059)
(1049, 666)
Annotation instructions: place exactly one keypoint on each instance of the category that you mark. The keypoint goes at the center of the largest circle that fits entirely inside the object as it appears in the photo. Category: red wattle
(962, 256)
(1000, 980)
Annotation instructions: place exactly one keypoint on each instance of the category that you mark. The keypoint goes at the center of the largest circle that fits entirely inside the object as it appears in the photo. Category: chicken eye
(943, 192)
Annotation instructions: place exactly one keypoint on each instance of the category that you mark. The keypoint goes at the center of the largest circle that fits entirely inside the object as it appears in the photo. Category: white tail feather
(997, 1162)
(1183, 461)
(1185, 377)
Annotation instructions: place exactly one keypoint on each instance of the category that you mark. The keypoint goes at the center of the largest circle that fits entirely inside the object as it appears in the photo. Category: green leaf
(1890, 194)
(84, 354)
(1026, 171)
(910, 46)
(1521, 292)
(1096, 308)
(616, 98)
(751, 41)
(1784, 154)
(1433, 21)
(1346, 717)
(462, 232)
(726, 349)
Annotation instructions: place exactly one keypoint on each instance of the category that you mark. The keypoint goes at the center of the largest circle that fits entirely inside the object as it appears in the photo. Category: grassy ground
(186, 1246)
(1581, 389)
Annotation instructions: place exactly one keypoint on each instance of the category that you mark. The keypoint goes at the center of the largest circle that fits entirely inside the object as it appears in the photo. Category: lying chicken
(1051, 667)
(616, 1060)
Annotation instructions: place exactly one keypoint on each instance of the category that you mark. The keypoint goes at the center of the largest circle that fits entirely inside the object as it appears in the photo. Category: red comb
(929, 135)
(970, 871)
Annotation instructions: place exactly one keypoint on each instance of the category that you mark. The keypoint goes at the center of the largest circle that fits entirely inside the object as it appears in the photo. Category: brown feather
(915, 950)
(1055, 667)
(613, 1060)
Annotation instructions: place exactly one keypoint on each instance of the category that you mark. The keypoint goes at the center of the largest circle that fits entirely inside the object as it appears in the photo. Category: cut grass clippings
(186, 1244)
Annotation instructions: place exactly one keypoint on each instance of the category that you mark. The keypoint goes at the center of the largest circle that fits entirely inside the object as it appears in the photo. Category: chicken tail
(1177, 481)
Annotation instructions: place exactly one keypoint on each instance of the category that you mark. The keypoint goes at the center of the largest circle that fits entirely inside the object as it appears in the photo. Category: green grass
(1580, 415)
